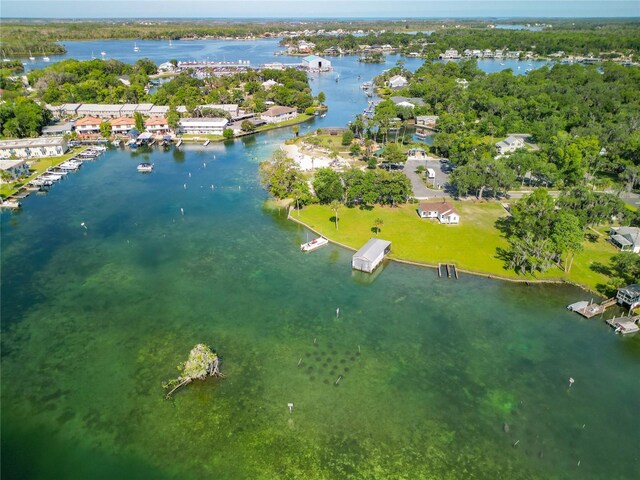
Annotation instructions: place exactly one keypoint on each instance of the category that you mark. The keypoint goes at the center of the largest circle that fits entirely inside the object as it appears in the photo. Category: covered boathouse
(370, 255)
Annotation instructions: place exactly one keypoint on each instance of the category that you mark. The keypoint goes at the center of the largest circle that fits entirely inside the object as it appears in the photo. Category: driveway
(420, 190)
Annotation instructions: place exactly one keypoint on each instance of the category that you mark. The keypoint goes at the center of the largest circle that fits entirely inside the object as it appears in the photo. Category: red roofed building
(157, 125)
(122, 125)
(443, 211)
(88, 125)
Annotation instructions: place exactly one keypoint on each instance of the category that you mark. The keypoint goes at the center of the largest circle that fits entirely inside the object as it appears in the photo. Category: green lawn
(8, 189)
(472, 245)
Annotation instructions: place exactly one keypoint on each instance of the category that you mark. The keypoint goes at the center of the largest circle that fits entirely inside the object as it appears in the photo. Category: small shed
(370, 255)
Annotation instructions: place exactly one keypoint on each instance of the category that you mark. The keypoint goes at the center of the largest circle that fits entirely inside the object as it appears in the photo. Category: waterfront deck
(590, 309)
(624, 326)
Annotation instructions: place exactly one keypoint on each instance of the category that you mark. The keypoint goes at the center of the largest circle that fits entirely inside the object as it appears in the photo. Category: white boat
(45, 59)
(314, 244)
(170, 44)
(207, 143)
(179, 143)
(103, 53)
(31, 57)
(10, 204)
(136, 48)
(145, 167)
(323, 115)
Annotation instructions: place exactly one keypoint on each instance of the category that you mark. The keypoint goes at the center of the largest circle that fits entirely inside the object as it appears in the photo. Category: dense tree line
(244, 89)
(622, 38)
(100, 81)
(584, 120)
(22, 117)
(283, 179)
(92, 81)
(542, 231)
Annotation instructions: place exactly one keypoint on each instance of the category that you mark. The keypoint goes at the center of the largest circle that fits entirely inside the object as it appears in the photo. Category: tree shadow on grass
(600, 268)
(592, 237)
(375, 230)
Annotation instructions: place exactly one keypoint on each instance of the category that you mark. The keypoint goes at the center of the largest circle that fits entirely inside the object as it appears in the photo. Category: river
(438, 378)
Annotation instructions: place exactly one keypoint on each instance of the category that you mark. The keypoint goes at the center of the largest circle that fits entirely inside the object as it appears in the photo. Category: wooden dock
(591, 309)
(447, 269)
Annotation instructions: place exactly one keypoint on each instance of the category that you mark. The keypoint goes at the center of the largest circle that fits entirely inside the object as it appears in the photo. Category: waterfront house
(166, 67)
(397, 82)
(278, 114)
(314, 63)
(88, 125)
(33, 148)
(210, 126)
(122, 125)
(14, 168)
(157, 125)
(509, 144)
(370, 255)
(58, 129)
(629, 296)
(306, 47)
(626, 239)
(450, 54)
(443, 211)
(426, 122)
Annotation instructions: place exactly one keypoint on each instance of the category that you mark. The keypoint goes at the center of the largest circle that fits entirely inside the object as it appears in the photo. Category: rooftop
(278, 110)
(32, 142)
(372, 249)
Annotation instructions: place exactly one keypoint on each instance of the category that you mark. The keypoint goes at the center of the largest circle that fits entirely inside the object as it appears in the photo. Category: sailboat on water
(136, 48)
(31, 57)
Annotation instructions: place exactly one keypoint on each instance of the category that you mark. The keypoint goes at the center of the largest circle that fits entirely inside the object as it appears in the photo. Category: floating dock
(590, 309)
(447, 269)
(624, 327)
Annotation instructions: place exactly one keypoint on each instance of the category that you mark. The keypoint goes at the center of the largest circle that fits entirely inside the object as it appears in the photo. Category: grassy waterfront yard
(473, 245)
(38, 167)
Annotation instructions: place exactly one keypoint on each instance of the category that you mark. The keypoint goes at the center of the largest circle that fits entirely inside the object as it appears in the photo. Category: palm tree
(378, 222)
(335, 206)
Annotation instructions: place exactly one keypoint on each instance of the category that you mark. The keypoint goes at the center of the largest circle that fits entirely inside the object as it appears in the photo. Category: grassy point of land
(472, 245)
(36, 169)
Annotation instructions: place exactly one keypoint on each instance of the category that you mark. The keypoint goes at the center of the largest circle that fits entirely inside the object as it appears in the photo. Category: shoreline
(468, 272)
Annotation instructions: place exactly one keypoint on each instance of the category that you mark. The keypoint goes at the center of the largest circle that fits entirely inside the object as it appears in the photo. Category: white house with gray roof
(626, 239)
(509, 144)
(33, 147)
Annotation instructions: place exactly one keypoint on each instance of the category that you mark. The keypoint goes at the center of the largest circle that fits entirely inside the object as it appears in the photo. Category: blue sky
(315, 8)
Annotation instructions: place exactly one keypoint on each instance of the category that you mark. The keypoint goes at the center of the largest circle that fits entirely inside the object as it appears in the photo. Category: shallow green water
(94, 321)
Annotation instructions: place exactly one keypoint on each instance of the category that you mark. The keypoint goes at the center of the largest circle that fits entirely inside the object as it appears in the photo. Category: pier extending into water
(447, 269)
